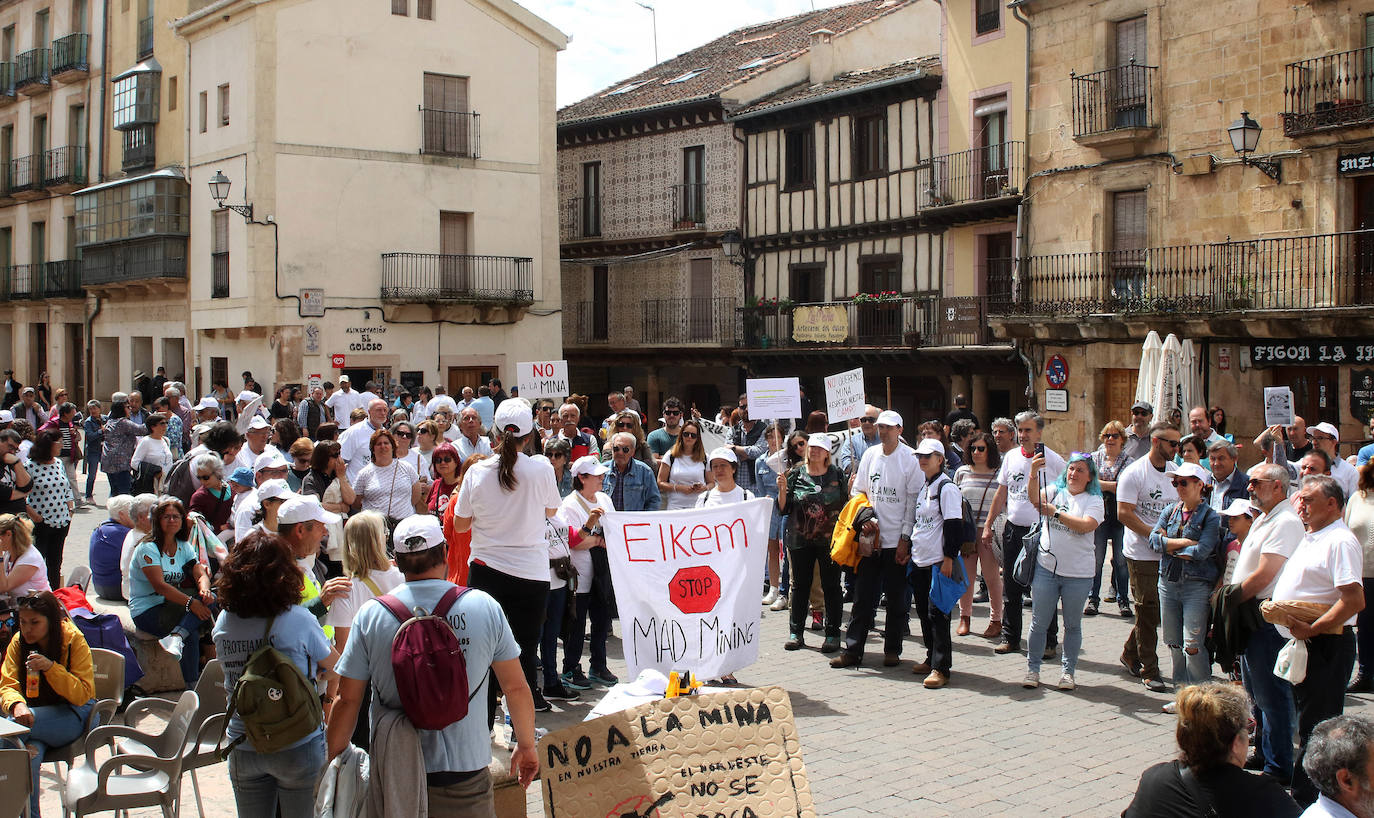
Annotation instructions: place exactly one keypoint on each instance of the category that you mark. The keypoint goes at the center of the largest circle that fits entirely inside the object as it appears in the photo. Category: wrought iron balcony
(1114, 104)
(581, 218)
(39, 282)
(25, 176)
(64, 169)
(678, 322)
(689, 207)
(219, 275)
(1334, 91)
(31, 71)
(895, 323)
(1325, 271)
(451, 133)
(71, 59)
(978, 175)
(427, 277)
(987, 22)
(137, 261)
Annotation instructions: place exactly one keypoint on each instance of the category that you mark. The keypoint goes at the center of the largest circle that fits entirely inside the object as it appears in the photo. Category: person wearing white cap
(1187, 536)
(724, 466)
(455, 758)
(890, 476)
(504, 501)
(812, 494)
(271, 495)
(269, 465)
(255, 442)
(580, 512)
(344, 400)
(1327, 438)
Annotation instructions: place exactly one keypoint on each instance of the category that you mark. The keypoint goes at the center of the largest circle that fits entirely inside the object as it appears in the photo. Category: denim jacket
(1204, 526)
(640, 491)
(95, 435)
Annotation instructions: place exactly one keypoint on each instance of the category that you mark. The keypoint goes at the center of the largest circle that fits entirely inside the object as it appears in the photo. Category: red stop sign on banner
(695, 590)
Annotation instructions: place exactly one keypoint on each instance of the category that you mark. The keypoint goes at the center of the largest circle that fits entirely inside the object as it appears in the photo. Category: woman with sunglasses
(47, 683)
(557, 451)
(1110, 459)
(628, 421)
(683, 474)
(212, 499)
(152, 457)
(792, 453)
(444, 468)
(1187, 535)
(1072, 509)
(169, 589)
(977, 481)
(812, 495)
(426, 439)
(767, 467)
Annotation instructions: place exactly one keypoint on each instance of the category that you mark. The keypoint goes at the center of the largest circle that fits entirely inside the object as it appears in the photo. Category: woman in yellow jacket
(47, 682)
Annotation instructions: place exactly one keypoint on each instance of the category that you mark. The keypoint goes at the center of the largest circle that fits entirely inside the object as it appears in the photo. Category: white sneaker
(770, 597)
(1066, 682)
(780, 604)
(173, 643)
(1031, 681)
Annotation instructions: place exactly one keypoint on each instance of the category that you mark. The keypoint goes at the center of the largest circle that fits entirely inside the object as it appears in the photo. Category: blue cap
(243, 476)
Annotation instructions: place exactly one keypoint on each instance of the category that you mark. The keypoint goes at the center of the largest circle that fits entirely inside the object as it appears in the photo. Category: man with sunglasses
(631, 484)
(1137, 443)
(662, 439)
(852, 452)
(1327, 438)
(1143, 491)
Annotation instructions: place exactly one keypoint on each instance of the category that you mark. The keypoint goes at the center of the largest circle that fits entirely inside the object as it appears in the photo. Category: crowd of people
(244, 519)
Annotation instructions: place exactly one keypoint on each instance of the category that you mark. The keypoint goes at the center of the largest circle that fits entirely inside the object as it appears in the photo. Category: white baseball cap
(723, 453)
(930, 446)
(1328, 429)
(515, 412)
(207, 402)
(247, 396)
(345, 379)
(889, 418)
(1240, 506)
(416, 533)
(1194, 470)
(588, 464)
(300, 508)
(820, 440)
(6, 416)
(257, 423)
(270, 459)
(275, 490)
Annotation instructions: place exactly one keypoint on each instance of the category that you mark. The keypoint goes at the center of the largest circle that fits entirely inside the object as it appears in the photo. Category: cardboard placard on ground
(734, 754)
(542, 379)
(844, 395)
(1278, 406)
(773, 398)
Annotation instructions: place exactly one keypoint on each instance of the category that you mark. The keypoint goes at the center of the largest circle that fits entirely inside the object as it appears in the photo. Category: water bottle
(31, 684)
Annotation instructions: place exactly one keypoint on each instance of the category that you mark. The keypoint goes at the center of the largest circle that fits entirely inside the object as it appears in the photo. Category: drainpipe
(1021, 240)
(104, 89)
(90, 347)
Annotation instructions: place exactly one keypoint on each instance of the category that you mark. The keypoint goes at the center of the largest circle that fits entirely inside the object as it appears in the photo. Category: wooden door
(1120, 394)
(446, 118)
(879, 324)
(455, 263)
(700, 304)
(473, 376)
(1129, 236)
(1314, 391)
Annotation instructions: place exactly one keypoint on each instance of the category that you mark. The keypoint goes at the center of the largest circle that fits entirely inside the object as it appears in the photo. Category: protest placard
(542, 379)
(773, 397)
(1278, 406)
(713, 435)
(844, 395)
(686, 583)
(733, 754)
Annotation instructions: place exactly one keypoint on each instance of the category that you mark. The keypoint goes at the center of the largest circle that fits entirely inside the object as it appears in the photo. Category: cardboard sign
(823, 324)
(771, 398)
(844, 395)
(687, 585)
(713, 435)
(731, 754)
(542, 379)
(1278, 406)
(313, 383)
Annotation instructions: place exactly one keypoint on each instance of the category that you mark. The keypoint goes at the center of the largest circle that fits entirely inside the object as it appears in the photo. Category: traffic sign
(1057, 371)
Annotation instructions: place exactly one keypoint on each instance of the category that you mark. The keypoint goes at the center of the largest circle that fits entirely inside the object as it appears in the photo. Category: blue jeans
(1273, 698)
(156, 622)
(121, 482)
(92, 469)
(553, 627)
(1121, 576)
(1047, 588)
(262, 780)
(1183, 614)
(54, 725)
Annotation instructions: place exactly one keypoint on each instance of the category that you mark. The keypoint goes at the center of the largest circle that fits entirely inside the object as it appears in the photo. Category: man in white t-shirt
(891, 478)
(354, 443)
(1326, 569)
(344, 401)
(1273, 538)
(255, 443)
(1142, 491)
(1022, 513)
(1327, 438)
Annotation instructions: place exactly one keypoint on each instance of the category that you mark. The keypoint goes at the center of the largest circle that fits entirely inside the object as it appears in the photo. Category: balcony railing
(31, 70)
(428, 277)
(1113, 99)
(900, 323)
(145, 37)
(451, 133)
(64, 167)
(219, 275)
(25, 174)
(71, 54)
(988, 21)
(1294, 273)
(141, 152)
(688, 321)
(976, 175)
(1334, 91)
(689, 207)
(132, 261)
(581, 218)
(37, 282)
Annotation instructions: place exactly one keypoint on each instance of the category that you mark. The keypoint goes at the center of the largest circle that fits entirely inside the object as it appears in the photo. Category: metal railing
(688, 321)
(37, 282)
(145, 37)
(1292, 273)
(160, 258)
(451, 133)
(71, 53)
(988, 21)
(689, 206)
(25, 173)
(581, 218)
(440, 277)
(64, 166)
(906, 322)
(974, 175)
(219, 275)
(31, 68)
(1114, 98)
(1333, 91)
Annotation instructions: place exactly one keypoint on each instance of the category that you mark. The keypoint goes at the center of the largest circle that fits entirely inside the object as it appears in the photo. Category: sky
(613, 39)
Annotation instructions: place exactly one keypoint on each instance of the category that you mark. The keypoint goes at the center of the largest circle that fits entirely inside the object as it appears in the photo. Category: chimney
(822, 56)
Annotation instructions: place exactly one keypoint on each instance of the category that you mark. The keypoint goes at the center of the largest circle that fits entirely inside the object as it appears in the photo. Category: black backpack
(970, 531)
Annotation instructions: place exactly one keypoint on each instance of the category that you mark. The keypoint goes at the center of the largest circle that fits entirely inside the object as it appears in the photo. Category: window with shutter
(447, 120)
(424, 9)
(401, 7)
(1129, 236)
(870, 145)
(219, 254)
(988, 16)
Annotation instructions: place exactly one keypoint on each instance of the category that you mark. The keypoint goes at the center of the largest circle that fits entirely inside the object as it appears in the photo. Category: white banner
(687, 586)
(713, 435)
(844, 395)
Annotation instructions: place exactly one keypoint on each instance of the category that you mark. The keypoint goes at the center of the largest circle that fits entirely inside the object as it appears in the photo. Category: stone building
(1141, 214)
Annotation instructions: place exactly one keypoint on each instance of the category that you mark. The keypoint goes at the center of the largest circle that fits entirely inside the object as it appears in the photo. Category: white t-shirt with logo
(1015, 474)
(891, 483)
(1149, 490)
(933, 507)
(1327, 560)
(1062, 550)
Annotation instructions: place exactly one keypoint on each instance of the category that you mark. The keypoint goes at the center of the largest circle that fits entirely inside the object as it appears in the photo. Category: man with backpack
(425, 674)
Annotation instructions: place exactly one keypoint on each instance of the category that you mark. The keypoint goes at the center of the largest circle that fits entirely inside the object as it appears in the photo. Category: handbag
(1023, 570)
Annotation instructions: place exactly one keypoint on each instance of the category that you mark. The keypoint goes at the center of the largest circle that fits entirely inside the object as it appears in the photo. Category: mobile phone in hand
(1040, 448)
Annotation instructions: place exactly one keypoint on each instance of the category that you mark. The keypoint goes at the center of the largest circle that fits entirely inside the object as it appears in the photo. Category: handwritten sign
(844, 395)
(713, 435)
(657, 560)
(542, 379)
(773, 398)
(825, 324)
(729, 754)
(1278, 406)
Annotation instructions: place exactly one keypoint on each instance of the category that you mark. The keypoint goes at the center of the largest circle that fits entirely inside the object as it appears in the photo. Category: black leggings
(524, 602)
(805, 562)
(50, 542)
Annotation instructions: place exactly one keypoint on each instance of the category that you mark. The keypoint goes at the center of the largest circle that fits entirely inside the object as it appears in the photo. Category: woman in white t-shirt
(579, 513)
(388, 486)
(935, 544)
(152, 451)
(683, 475)
(504, 501)
(724, 466)
(24, 569)
(1066, 560)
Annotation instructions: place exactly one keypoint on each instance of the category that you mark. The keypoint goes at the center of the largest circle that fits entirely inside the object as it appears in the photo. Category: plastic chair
(16, 783)
(207, 725)
(80, 575)
(109, 692)
(123, 781)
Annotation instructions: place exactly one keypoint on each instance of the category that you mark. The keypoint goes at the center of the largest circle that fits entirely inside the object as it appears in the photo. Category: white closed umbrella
(1166, 378)
(1189, 378)
(1149, 369)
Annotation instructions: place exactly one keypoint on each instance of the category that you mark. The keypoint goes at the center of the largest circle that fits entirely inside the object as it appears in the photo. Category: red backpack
(431, 673)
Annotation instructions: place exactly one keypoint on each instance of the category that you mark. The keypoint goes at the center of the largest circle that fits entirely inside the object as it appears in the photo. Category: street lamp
(1245, 134)
(731, 246)
(219, 191)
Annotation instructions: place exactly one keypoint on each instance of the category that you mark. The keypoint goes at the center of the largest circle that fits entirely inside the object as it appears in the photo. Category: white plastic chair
(16, 783)
(109, 692)
(80, 575)
(207, 725)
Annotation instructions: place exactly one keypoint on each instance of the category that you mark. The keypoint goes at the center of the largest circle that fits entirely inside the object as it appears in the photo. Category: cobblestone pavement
(876, 742)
